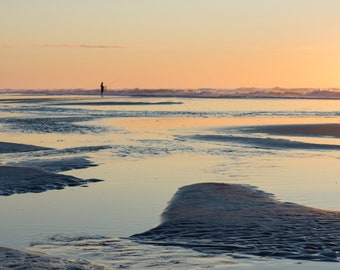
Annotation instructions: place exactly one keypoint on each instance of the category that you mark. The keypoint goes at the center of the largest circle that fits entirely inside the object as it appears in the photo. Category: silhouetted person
(102, 87)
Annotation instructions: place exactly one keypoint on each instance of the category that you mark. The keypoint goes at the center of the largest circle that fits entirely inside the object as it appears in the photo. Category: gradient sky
(169, 43)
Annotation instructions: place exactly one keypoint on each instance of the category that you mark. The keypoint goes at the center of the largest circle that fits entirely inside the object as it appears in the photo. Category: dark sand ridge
(311, 130)
(27, 100)
(18, 260)
(55, 165)
(323, 130)
(227, 218)
(266, 142)
(37, 175)
(17, 147)
(118, 103)
(16, 180)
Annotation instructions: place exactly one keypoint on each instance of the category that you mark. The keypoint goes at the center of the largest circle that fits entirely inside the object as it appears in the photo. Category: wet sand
(266, 142)
(206, 217)
(38, 175)
(6, 147)
(230, 218)
(17, 260)
(304, 130)
(117, 103)
(318, 130)
(17, 180)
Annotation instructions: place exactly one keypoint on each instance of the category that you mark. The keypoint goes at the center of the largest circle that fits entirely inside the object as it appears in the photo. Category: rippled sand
(17, 260)
(38, 175)
(240, 222)
(227, 218)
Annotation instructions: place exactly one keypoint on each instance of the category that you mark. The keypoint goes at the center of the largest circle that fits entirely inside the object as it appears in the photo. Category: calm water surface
(151, 155)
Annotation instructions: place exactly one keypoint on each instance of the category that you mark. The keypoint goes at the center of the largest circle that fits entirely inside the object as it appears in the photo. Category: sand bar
(228, 218)
(16, 180)
(15, 260)
(318, 130)
(56, 164)
(119, 103)
(38, 175)
(6, 147)
(266, 143)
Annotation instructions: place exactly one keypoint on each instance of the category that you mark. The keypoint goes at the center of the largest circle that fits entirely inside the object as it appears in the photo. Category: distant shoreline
(238, 93)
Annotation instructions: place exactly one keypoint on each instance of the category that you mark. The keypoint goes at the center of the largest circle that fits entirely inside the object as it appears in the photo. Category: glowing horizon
(169, 44)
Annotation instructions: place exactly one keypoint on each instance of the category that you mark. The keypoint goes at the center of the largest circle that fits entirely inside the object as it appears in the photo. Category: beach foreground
(16, 180)
(15, 260)
(38, 175)
(211, 218)
(34, 176)
(227, 218)
(147, 149)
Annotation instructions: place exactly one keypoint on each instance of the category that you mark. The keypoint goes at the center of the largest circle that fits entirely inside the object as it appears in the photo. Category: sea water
(146, 148)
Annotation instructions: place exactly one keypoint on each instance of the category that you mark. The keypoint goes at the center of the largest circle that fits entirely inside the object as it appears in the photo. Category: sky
(69, 44)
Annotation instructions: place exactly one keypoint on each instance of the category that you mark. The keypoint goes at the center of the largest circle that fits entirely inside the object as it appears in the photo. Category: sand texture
(266, 143)
(16, 180)
(17, 147)
(55, 164)
(227, 218)
(228, 135)
(18, 260)
(118, 103)
(322, 130)
(38, 175)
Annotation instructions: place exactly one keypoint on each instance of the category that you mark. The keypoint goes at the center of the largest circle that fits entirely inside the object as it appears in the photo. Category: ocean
(145, 147)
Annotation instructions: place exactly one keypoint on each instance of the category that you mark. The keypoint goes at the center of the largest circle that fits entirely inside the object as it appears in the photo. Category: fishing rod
(111, 82)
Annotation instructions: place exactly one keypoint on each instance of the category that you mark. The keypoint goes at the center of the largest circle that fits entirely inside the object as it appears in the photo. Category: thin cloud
(101, 46)
(300, 48)
(80, 46)
(5, 46)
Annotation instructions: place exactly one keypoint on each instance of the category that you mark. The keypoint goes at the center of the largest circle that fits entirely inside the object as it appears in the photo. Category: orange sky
(169, 44)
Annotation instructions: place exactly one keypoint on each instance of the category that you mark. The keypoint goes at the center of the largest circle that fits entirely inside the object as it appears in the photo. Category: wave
(276, 92)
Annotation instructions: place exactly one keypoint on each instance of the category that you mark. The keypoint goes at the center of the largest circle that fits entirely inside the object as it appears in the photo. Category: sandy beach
(31, 178)
(15, 259)
(323, 130)
(106, 169)
(213, 217)
(17, 147)
(157, 135)
(35, 177)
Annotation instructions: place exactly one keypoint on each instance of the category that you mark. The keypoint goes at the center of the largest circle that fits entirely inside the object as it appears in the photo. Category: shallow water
(123, 253)
(145, 153)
